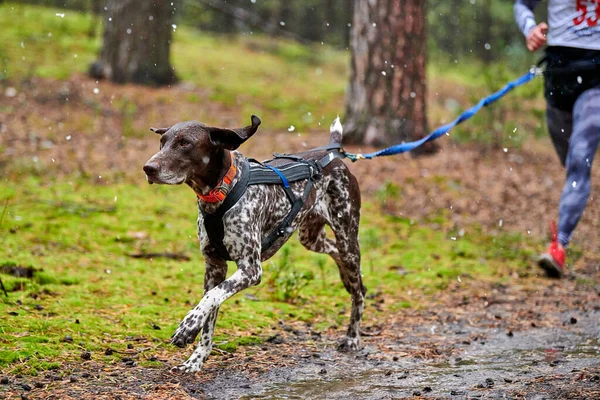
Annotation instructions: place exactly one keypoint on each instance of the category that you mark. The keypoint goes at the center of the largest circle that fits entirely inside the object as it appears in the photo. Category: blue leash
(408, 146)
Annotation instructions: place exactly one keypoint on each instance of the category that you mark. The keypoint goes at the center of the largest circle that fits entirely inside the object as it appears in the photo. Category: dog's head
(194, 153)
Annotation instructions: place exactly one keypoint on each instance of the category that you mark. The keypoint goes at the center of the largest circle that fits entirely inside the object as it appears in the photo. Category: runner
(572, 91)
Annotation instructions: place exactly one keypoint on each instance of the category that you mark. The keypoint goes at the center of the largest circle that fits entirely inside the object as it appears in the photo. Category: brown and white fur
(200, 155)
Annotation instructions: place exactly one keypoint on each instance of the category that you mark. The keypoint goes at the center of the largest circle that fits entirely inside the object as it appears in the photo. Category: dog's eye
(184, 143)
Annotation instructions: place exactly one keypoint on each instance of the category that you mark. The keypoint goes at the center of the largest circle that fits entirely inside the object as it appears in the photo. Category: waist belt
(254, 173)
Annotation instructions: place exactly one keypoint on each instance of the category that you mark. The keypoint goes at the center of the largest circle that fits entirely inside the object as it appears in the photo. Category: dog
(202, 157)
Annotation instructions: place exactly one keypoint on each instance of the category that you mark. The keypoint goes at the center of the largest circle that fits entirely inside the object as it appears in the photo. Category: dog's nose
(151, 169)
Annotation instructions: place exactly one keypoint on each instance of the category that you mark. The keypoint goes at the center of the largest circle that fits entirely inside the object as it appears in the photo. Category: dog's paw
(187, 330)
(349, 344)
(187, 368)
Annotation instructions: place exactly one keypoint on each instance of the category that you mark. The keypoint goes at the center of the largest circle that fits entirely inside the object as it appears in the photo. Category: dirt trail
(534, 339)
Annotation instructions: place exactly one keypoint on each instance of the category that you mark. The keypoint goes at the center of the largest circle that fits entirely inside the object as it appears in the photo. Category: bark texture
(386, 97)
(136, 42)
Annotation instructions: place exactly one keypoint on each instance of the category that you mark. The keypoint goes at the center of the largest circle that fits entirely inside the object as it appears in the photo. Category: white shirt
(571, 23)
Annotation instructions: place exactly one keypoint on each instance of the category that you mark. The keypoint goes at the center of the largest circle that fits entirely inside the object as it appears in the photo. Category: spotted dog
(202, 157)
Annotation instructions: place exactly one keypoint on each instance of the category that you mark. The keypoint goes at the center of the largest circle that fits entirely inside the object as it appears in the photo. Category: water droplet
(383, 73)
(108, 271)
(579, 80)
(129, 31)
(292, 128)
(413, 95)
(487, 46)
(96, 90)
(62, 15)
(505, 150)
(115, 199)
(574, 184)
(282, 23)
(10, 92)
(500, 223)
(68, 137)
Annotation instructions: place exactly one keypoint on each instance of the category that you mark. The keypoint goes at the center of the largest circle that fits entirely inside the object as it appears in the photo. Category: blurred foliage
(479, 29)
(253, 76)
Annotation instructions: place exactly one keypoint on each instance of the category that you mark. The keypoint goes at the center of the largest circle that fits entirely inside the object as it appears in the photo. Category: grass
(87, 294)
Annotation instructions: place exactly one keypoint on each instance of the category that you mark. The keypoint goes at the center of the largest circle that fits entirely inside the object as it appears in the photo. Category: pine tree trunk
(136, 43)
(386, 98)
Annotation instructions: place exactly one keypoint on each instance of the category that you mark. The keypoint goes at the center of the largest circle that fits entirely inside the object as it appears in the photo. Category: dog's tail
(336, 131)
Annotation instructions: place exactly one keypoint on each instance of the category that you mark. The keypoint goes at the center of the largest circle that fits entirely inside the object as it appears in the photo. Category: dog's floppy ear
(160, 131)
(231, 139)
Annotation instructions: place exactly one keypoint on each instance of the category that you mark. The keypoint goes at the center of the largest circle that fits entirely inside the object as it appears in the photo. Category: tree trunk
(386, 98)
(136, 43)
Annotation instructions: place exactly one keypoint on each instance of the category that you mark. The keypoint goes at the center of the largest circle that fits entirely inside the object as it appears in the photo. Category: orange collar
(222, 189)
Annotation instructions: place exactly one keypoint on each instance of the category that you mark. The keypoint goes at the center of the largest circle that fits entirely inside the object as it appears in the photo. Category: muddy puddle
(539, 363)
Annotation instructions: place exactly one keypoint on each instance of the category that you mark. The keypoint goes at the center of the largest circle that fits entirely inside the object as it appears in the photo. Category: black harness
(253, 173)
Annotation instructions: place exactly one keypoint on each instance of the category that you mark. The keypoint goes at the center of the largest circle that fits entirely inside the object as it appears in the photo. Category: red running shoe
(553, 260)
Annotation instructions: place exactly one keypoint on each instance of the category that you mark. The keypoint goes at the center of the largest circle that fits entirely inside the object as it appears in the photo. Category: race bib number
(588, 13)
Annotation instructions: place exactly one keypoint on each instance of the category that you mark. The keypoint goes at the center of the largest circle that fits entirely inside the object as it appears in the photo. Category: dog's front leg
(249, 273)
(216, 272)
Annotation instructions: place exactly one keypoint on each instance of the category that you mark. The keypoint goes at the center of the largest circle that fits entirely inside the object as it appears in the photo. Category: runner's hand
(537, 37)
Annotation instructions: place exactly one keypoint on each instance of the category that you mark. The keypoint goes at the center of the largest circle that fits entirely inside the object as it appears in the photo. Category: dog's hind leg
(344, 209)
(349, 267)
(312, 236)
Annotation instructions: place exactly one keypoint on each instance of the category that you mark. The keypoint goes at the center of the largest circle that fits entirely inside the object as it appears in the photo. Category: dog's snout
(151, 168)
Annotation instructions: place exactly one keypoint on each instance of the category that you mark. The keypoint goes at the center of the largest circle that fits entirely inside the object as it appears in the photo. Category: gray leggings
(575, 136)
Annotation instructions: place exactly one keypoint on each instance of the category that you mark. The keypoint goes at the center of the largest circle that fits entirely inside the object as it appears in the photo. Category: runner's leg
(582, 149)
(560, 126)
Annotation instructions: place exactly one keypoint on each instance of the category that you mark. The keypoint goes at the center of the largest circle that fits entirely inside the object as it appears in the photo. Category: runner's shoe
(553, 260)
